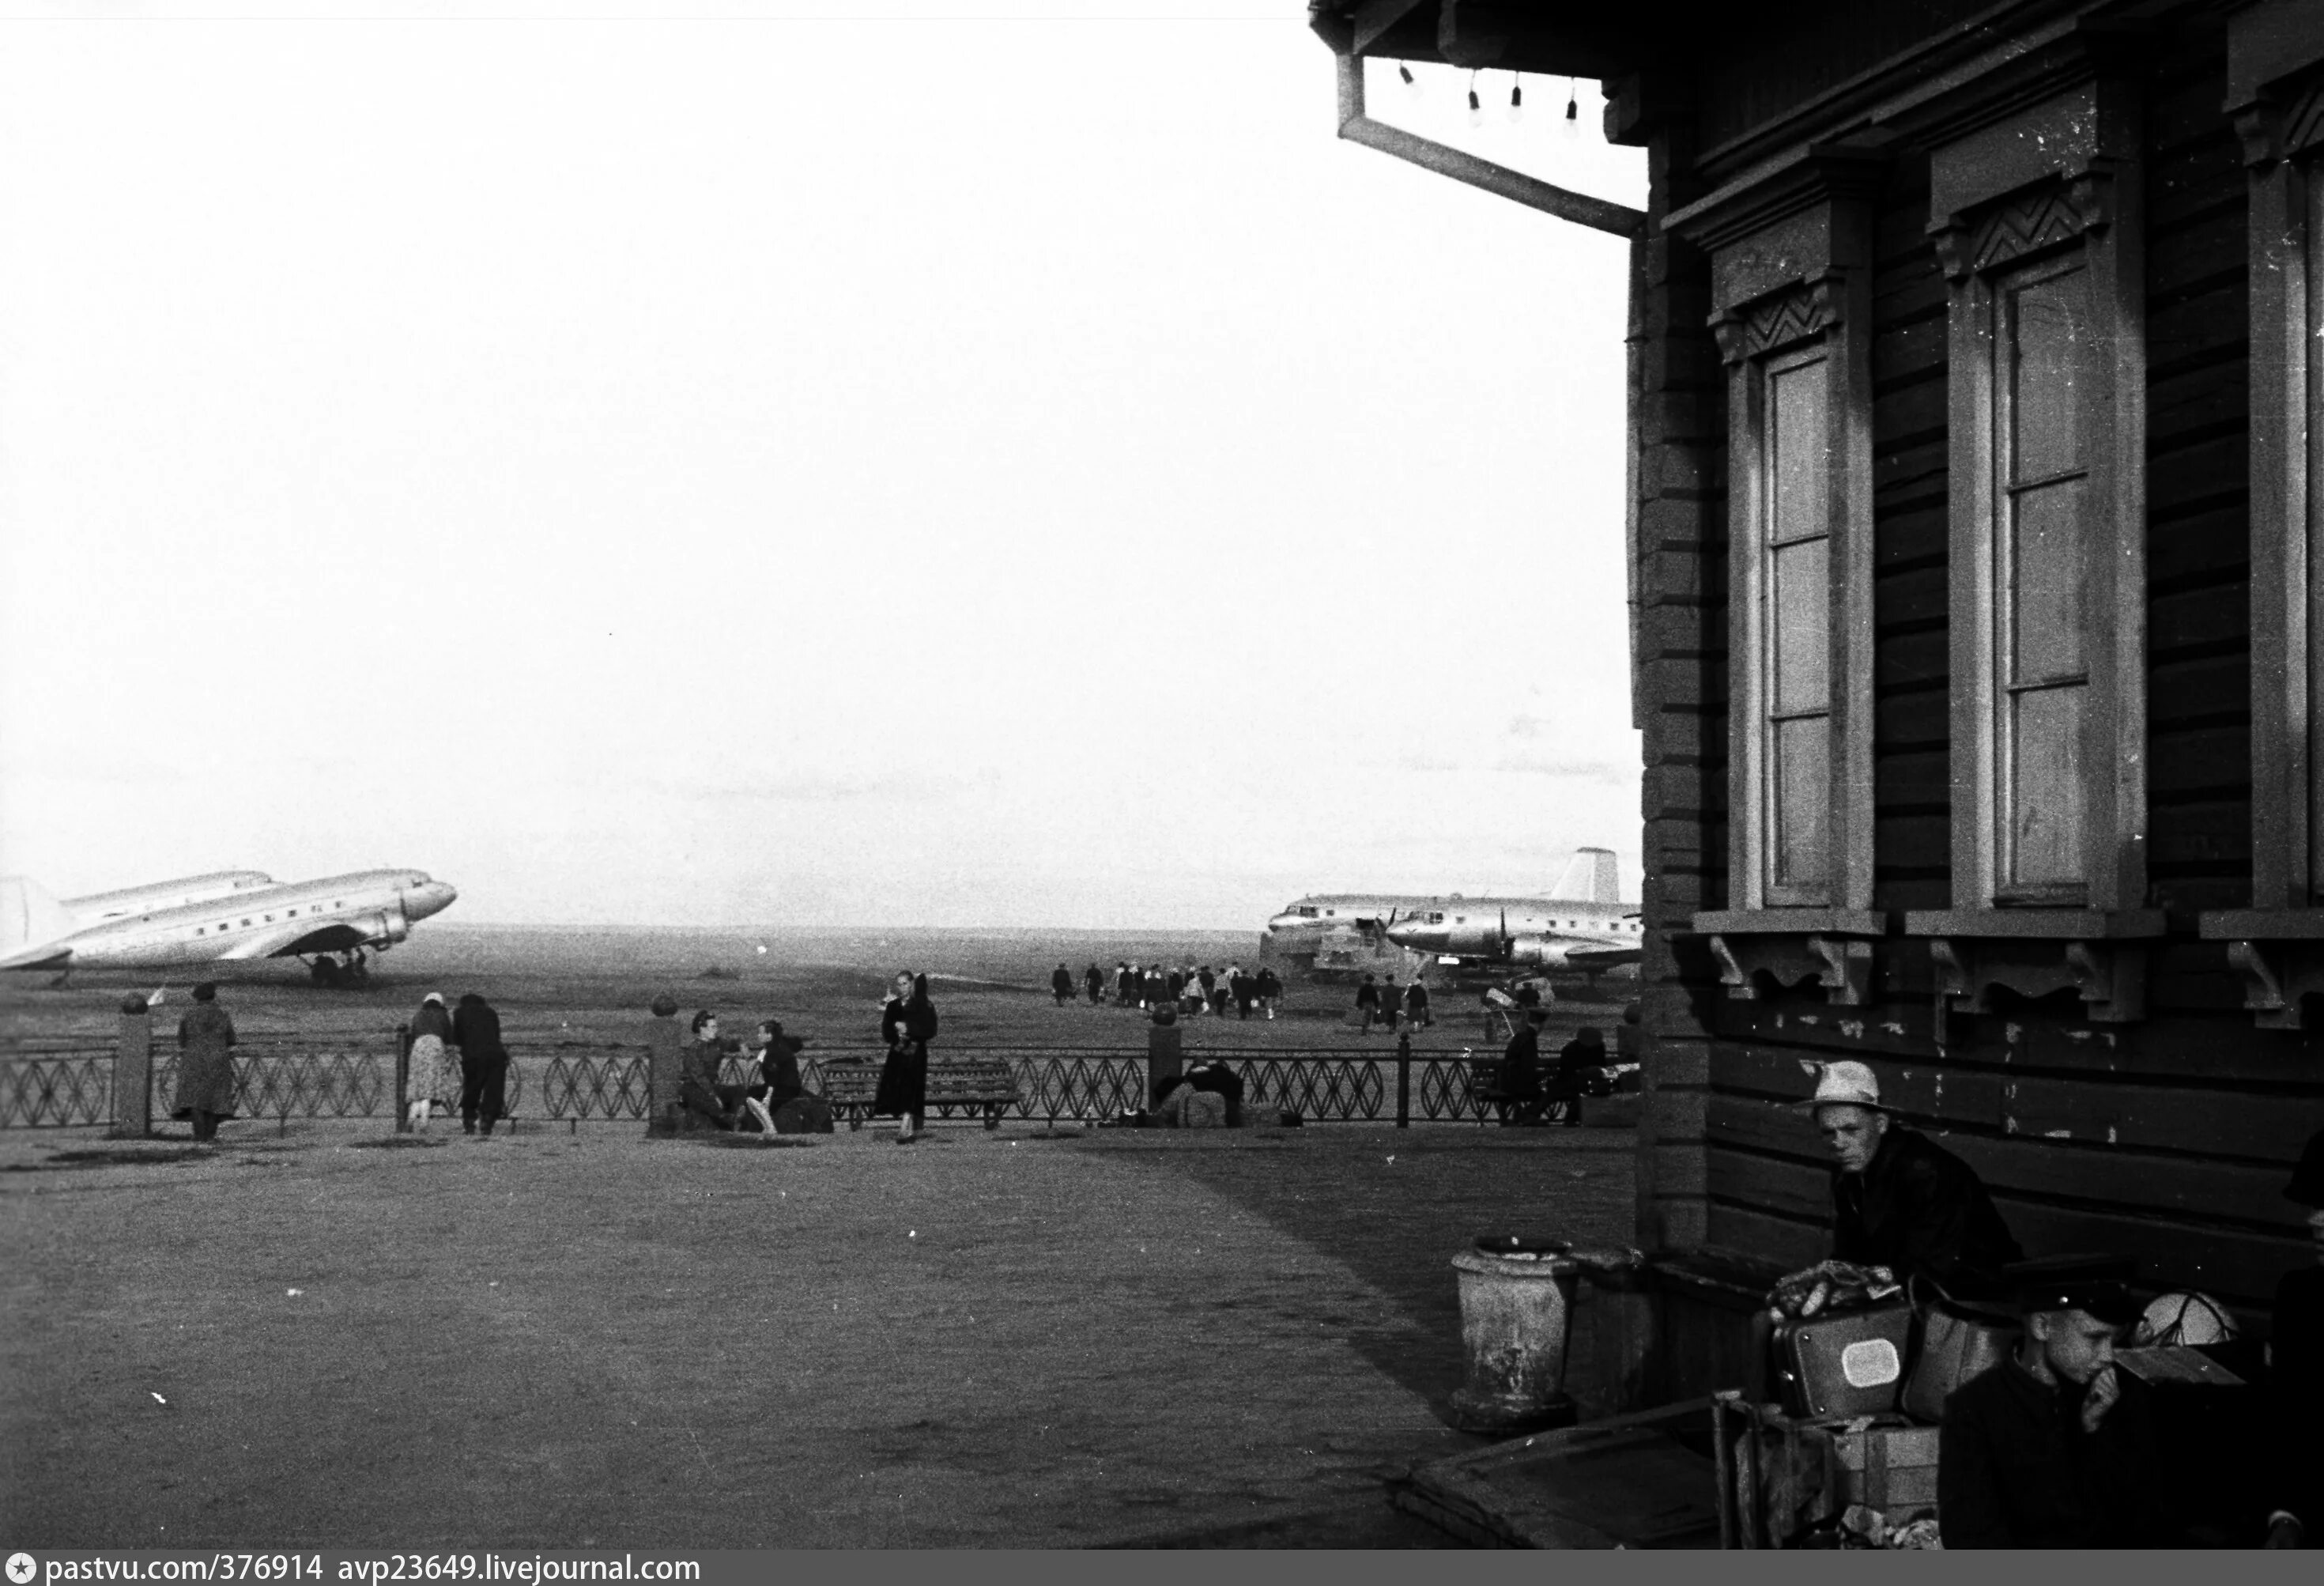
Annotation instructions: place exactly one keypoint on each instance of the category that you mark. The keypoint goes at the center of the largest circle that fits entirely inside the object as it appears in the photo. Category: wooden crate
(1892, 1469)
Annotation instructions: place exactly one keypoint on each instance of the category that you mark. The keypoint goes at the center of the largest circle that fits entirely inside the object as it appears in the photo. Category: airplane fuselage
(1549, 933)
(98, 906)
(365, 908)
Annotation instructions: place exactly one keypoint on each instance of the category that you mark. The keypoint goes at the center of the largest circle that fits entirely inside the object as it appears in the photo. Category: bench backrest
(972, 1077)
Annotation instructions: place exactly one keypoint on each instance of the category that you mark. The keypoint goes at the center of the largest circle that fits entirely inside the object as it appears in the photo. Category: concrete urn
(1516, 1306)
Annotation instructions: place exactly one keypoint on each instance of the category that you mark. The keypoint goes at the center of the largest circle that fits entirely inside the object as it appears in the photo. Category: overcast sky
(756, 469)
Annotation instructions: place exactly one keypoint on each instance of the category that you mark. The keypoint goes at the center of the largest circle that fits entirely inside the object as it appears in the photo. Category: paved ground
(569, 1340)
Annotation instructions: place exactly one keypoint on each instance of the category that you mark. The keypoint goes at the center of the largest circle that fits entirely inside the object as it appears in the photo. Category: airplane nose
(431, 897)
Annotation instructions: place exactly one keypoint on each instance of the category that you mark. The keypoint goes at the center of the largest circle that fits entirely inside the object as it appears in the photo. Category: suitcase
(1837, 1368)
(1955, 1346)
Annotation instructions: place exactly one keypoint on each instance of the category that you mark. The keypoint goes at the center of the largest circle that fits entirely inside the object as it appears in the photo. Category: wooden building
(1973, 352)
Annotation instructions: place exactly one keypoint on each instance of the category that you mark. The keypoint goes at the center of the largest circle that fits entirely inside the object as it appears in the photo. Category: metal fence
(56, 1087)
(61, 1086)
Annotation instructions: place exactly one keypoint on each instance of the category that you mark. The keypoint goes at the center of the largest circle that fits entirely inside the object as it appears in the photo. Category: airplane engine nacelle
(1538, 951)
(385, 927)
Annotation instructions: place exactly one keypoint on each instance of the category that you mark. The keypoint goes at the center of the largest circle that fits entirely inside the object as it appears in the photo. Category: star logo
(21, 1568)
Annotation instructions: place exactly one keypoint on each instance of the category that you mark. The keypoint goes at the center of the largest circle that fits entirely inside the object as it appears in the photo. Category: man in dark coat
(1391, 1003)
(1416, 1003)
(1576, 1061)
(1093, 981)
(1212, 1076)
(1901, 1201)
(1368, 1003)
(1516, 1094)
(1061, 983)
(483, 1062)
(2045, 1449)
(205, 1042)
(2296, 1373)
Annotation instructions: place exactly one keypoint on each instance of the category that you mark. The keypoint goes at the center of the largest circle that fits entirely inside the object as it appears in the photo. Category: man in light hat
(2044, 1450)
(1901, 1201)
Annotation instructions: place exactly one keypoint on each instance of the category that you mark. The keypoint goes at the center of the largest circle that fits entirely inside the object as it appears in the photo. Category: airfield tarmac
(569, 1338)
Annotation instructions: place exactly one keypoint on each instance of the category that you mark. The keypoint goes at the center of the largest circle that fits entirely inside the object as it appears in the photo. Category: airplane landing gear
(353, 971)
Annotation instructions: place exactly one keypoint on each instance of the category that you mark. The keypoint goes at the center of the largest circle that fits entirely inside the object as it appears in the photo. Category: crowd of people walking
(1384, 1004)
(1186, 989)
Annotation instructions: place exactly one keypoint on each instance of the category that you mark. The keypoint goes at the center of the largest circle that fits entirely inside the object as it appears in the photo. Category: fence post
(403, 1079)
(133, 1070)
(1164, 1046)
(1404, 1080)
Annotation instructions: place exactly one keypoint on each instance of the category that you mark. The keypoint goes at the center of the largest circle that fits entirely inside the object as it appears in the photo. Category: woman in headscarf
(907, 1023)
(205, 1042)
(431, 1030)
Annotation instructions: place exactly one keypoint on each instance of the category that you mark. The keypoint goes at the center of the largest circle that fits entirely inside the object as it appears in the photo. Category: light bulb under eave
(1476, 109)
(1411, 83)
(1571, 128)
(1516, 102)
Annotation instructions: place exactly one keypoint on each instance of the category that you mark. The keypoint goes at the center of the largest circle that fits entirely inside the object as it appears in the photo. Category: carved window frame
(2055, 180)
(1792, 270)
(2275, 98)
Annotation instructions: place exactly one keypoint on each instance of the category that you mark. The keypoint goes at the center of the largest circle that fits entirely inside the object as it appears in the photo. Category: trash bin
(1516, 1298)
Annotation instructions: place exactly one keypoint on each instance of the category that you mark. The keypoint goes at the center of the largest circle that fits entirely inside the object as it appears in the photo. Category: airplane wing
(1593, 958)
(294, 937)
(47, 956)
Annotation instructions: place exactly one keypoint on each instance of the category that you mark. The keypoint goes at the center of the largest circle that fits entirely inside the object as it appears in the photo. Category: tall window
(2041, 558)
(1797, 626)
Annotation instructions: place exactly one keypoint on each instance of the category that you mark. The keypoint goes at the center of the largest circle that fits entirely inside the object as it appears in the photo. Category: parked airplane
(369, 909)
(1583, 924)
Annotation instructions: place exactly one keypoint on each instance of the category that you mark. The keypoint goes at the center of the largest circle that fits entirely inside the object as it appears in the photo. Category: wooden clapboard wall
(2168, 1139)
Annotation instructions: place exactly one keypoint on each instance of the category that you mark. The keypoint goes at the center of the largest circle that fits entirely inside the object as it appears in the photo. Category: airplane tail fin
(1590, 878)
(30, 917)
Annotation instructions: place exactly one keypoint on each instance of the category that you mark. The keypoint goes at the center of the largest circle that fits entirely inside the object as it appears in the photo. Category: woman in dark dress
(907, 1023)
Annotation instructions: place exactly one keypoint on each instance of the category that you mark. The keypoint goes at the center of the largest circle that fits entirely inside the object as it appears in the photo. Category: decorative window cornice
(1796, 314)
(2027, 223)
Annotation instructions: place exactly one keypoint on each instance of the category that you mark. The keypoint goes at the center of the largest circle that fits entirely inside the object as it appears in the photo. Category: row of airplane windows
(224, 926)
(1308, 912)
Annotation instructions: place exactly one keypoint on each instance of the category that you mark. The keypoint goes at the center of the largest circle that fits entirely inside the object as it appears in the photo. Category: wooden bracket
(2109, 977)
(2279, 977)
(1841, 965)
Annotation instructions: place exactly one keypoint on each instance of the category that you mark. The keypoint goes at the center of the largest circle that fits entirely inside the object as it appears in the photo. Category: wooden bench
(986, 1085)
(1485, 1090)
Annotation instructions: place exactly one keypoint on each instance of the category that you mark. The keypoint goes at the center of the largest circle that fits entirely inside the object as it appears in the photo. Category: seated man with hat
(1901, 1201)
(2045, 1450)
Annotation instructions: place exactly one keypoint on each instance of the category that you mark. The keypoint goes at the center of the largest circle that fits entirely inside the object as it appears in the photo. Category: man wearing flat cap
(2296, 1373)
(1900, 1200)
(2044, 1450)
